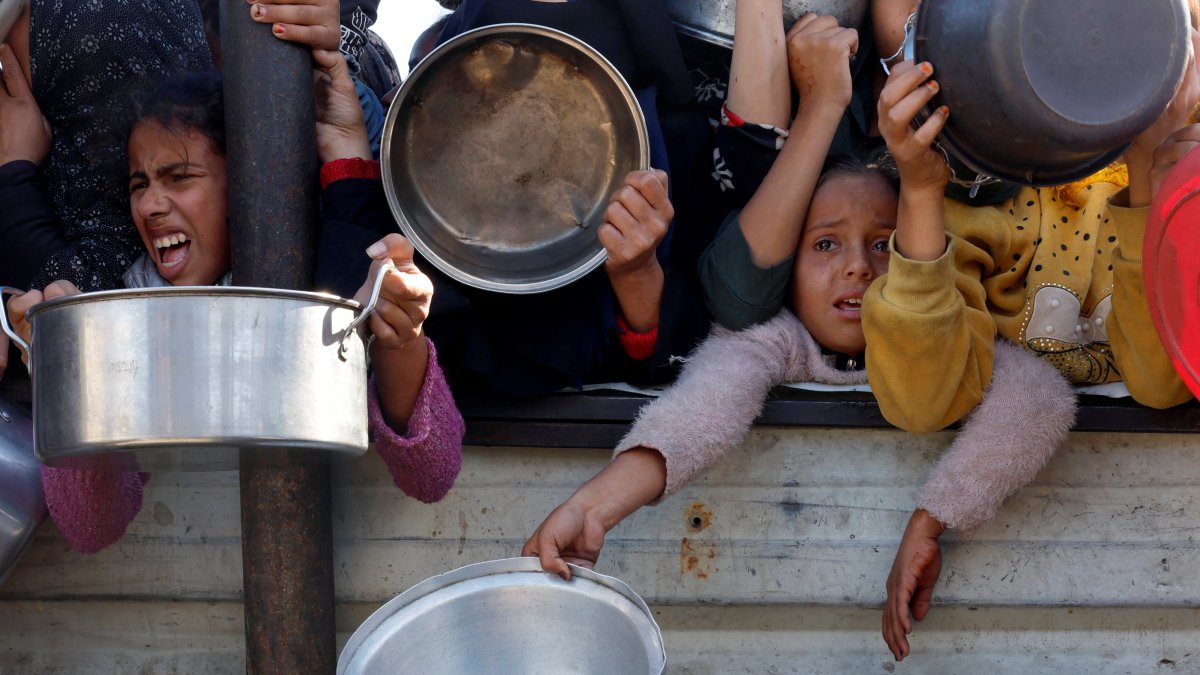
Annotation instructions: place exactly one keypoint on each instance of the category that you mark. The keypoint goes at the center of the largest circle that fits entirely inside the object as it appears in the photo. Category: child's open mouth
(172, 249)
(849, 304)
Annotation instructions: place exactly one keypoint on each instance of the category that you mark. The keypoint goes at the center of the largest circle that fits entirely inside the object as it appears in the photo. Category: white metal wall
(773, 562)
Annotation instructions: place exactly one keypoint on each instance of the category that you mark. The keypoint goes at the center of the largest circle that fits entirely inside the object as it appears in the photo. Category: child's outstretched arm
(1025, 416)
(929, 333)
(417, 427)
(635, 223)
(744, 273)
(574, 531)
(819, 53)
(1141, 359)
(685, 431)
(759, 89)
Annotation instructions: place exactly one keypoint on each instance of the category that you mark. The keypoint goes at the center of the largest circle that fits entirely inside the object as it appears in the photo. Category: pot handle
(9, 290)
(369, 309)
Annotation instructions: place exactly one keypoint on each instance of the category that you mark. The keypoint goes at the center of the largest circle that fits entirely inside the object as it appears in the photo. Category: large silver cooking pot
(509, 616)
(22, 508)
(189, 377)
(713, 20)
(500, 154)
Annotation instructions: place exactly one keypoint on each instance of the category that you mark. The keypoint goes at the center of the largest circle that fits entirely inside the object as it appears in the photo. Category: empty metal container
(509, 616)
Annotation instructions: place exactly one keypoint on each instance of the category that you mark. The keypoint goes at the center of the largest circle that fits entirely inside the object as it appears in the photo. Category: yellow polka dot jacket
(1056, 271)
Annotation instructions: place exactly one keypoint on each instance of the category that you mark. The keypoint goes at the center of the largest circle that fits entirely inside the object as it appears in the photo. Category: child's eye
(880, 246)
(138, 185)
(824, 245)
(179, 177)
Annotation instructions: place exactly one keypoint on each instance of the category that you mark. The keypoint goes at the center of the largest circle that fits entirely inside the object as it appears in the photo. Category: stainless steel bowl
(509, 616)
(713, 20)
(22, 508)
(501, 151)
(191, 377)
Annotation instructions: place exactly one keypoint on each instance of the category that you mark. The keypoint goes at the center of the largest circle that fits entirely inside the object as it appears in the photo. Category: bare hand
(819, 53)
(1177, 145)
(404, 298)
(19, 305)
(24, 132)
(341, 132)
(568, 535)
(1142, 155)
(908, 90)
(316, 23)
(636, 222)
(910, 585)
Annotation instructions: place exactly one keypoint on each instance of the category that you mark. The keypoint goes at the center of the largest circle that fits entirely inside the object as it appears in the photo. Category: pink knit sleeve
(424, 461)
(92, 508)
(1025, 415)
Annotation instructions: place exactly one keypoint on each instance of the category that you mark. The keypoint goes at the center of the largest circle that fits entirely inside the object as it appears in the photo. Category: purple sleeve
(425, 460)
(1026, 413)
(92, 508)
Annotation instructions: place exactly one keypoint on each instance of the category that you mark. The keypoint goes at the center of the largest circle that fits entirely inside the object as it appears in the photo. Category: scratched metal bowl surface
(501, 151)
(713, 20)
(509, 616)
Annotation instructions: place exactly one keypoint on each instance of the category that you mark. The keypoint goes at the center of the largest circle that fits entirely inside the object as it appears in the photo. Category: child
(80, 61)
(1058, 271)
(744, 273)
(727, 379)
(178, 191)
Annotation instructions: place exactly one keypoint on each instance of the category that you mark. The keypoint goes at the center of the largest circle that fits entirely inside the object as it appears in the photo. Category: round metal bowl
(1045, 93)
(713, 20)
(194, 377)
(501, 151)
(509, 616)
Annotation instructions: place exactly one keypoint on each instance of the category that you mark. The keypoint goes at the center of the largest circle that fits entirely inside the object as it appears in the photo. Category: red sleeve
(351, 167)
(638, 346)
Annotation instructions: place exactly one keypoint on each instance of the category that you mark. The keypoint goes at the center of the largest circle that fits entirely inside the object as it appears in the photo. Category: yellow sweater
(1062, 277)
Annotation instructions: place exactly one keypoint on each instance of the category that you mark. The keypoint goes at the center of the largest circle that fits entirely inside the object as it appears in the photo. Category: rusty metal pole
(287, 541)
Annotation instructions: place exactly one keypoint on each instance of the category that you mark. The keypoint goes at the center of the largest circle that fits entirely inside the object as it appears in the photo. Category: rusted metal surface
(287, 550)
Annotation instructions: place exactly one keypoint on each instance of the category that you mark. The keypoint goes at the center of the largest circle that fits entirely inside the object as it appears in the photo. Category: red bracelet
(638, 346)
(350, 167)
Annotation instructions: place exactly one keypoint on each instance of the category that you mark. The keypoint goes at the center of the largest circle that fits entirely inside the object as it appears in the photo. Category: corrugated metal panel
(792, 537)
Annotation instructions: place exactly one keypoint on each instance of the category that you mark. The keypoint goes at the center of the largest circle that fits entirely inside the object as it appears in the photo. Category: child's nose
(153, 203)
(858, 263)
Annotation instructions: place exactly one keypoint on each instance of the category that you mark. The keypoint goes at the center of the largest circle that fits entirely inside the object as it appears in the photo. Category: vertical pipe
(287, 549)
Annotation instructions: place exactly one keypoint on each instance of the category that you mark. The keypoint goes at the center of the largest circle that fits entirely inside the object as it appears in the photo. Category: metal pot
(22, 507)
(501, 151)
(509, 616)
(1045, 92)
(189, 377)
(713, 20)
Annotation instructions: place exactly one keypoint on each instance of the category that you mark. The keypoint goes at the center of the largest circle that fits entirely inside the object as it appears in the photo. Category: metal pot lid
(1171, 267)
(500, 154)
(509, 616)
